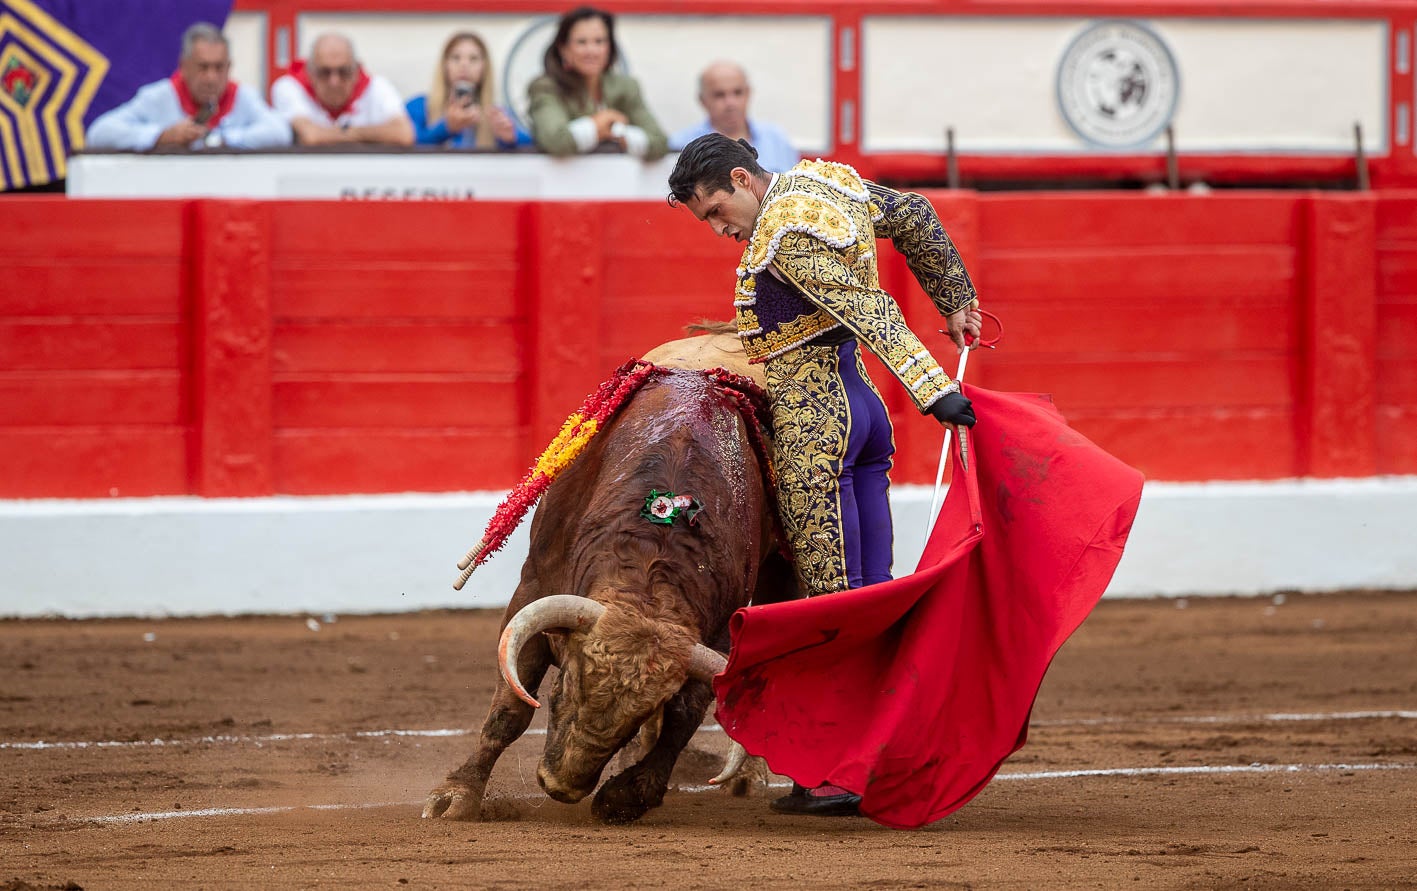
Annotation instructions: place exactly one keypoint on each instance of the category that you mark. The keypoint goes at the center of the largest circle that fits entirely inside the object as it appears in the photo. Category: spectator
(458, 109)
(330, 99)
(724, 94)
(199, 105)
(580, 102)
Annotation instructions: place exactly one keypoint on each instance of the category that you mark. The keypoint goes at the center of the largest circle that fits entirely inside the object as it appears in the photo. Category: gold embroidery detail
(829, 257)
(810, 416)
(838, 177)
(748, 326)
(793, 334)
(797, 211)
(911, 224)
(851, 294)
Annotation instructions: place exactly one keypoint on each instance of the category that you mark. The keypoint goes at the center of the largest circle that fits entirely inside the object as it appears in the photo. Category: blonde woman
(458, 110)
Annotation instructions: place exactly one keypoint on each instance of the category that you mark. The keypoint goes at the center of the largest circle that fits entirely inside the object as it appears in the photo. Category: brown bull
(635, 612)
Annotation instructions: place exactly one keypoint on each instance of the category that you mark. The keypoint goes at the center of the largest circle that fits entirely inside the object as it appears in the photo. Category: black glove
(953, 408)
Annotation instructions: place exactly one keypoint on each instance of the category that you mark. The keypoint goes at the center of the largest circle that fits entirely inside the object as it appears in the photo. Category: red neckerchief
(189, 105)
(301, 73)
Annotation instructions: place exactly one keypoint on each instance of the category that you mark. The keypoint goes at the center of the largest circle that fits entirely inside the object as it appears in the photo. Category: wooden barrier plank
(399, 401)
(1396, 441)
(569, 309)
(89, 228)
(651, 231)
(1395, 377)
(1201, 445)
(1396, 385)
(1396, 341)
(83, 344)
(1120, 382)
(1200, 326)
(93, 462)
(332, 462)
(1120, 221)
(471, 288)
(1337, 412)
(59, 399)
(366, 232)
(1397, 274)
(1242, 276)
(474, 349)
(92, 287)
(1396, 217)
(694, 281)
(230, 245)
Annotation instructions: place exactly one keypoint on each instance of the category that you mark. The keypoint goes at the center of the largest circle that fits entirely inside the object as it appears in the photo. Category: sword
(945, 451)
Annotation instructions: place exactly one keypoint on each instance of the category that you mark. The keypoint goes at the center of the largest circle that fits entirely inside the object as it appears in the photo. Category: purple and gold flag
(64, 62)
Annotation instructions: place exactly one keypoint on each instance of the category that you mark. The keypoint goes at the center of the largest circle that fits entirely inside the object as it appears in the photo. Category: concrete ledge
(394, 553)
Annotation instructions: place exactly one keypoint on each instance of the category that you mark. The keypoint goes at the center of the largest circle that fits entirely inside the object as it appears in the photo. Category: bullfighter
(807, 292)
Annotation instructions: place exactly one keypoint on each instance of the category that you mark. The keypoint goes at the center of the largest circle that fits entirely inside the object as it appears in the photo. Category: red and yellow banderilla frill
(568, 443)
(576, 433)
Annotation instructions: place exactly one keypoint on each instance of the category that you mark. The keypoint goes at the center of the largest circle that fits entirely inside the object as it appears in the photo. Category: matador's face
(729, 213)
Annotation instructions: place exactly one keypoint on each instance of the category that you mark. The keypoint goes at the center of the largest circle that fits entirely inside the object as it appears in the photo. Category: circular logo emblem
(1117, 85)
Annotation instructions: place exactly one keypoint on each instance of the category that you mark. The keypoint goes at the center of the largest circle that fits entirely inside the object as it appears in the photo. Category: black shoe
(801, 803)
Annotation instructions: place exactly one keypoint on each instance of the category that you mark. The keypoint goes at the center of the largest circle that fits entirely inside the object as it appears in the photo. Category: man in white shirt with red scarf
(330, 99)
(198, 106)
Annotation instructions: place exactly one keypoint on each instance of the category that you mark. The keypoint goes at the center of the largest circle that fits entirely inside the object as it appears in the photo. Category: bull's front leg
(459, 797)
(627, 797)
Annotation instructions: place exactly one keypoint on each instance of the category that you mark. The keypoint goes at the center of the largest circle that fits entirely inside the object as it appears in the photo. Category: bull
(633, 613)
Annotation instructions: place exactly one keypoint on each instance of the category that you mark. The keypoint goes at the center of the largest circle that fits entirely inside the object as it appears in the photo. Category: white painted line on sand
(1200, 769)
(1232, 719)
(234, 812)
(232, 739)
(694, 789)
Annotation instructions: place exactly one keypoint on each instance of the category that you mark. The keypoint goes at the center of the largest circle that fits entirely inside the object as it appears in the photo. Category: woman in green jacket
(580, 102)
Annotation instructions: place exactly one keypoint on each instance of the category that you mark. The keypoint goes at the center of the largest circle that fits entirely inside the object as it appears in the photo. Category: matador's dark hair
(705, 164)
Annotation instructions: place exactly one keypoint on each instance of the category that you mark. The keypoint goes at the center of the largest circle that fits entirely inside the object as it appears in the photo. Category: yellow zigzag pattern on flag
(43, 66)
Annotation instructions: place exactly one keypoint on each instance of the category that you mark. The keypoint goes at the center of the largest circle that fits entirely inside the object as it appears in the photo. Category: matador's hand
(953, 408)
(965, 320)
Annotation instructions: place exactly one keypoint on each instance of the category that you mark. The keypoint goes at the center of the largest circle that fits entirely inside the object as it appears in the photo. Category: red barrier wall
(250, 348)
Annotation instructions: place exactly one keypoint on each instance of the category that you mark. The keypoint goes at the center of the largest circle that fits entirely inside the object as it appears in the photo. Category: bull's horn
(557, 611)
(732, 763)
(705, 663)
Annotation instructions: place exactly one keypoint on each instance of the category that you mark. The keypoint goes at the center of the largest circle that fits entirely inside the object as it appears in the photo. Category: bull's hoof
(625, 799)
(453, 801)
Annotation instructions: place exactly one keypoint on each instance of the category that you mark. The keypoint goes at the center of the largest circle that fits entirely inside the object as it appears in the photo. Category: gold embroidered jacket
(817, 228)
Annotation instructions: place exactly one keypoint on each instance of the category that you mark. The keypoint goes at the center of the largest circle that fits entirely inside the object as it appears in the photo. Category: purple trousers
(832, 445)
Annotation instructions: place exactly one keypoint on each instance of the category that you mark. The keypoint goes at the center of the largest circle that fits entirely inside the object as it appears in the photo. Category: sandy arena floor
(1201, 744)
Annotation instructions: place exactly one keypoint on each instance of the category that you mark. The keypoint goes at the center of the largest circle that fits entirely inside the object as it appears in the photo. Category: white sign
(397, 176)
(1117, 85)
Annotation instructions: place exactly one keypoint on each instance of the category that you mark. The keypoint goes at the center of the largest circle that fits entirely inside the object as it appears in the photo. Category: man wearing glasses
(199, 106)
(330, 99)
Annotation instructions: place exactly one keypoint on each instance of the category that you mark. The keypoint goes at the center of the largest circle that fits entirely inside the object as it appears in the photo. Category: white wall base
(394, 553)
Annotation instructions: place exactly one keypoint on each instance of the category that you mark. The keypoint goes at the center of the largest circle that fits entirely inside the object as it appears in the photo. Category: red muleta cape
(913, 692)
